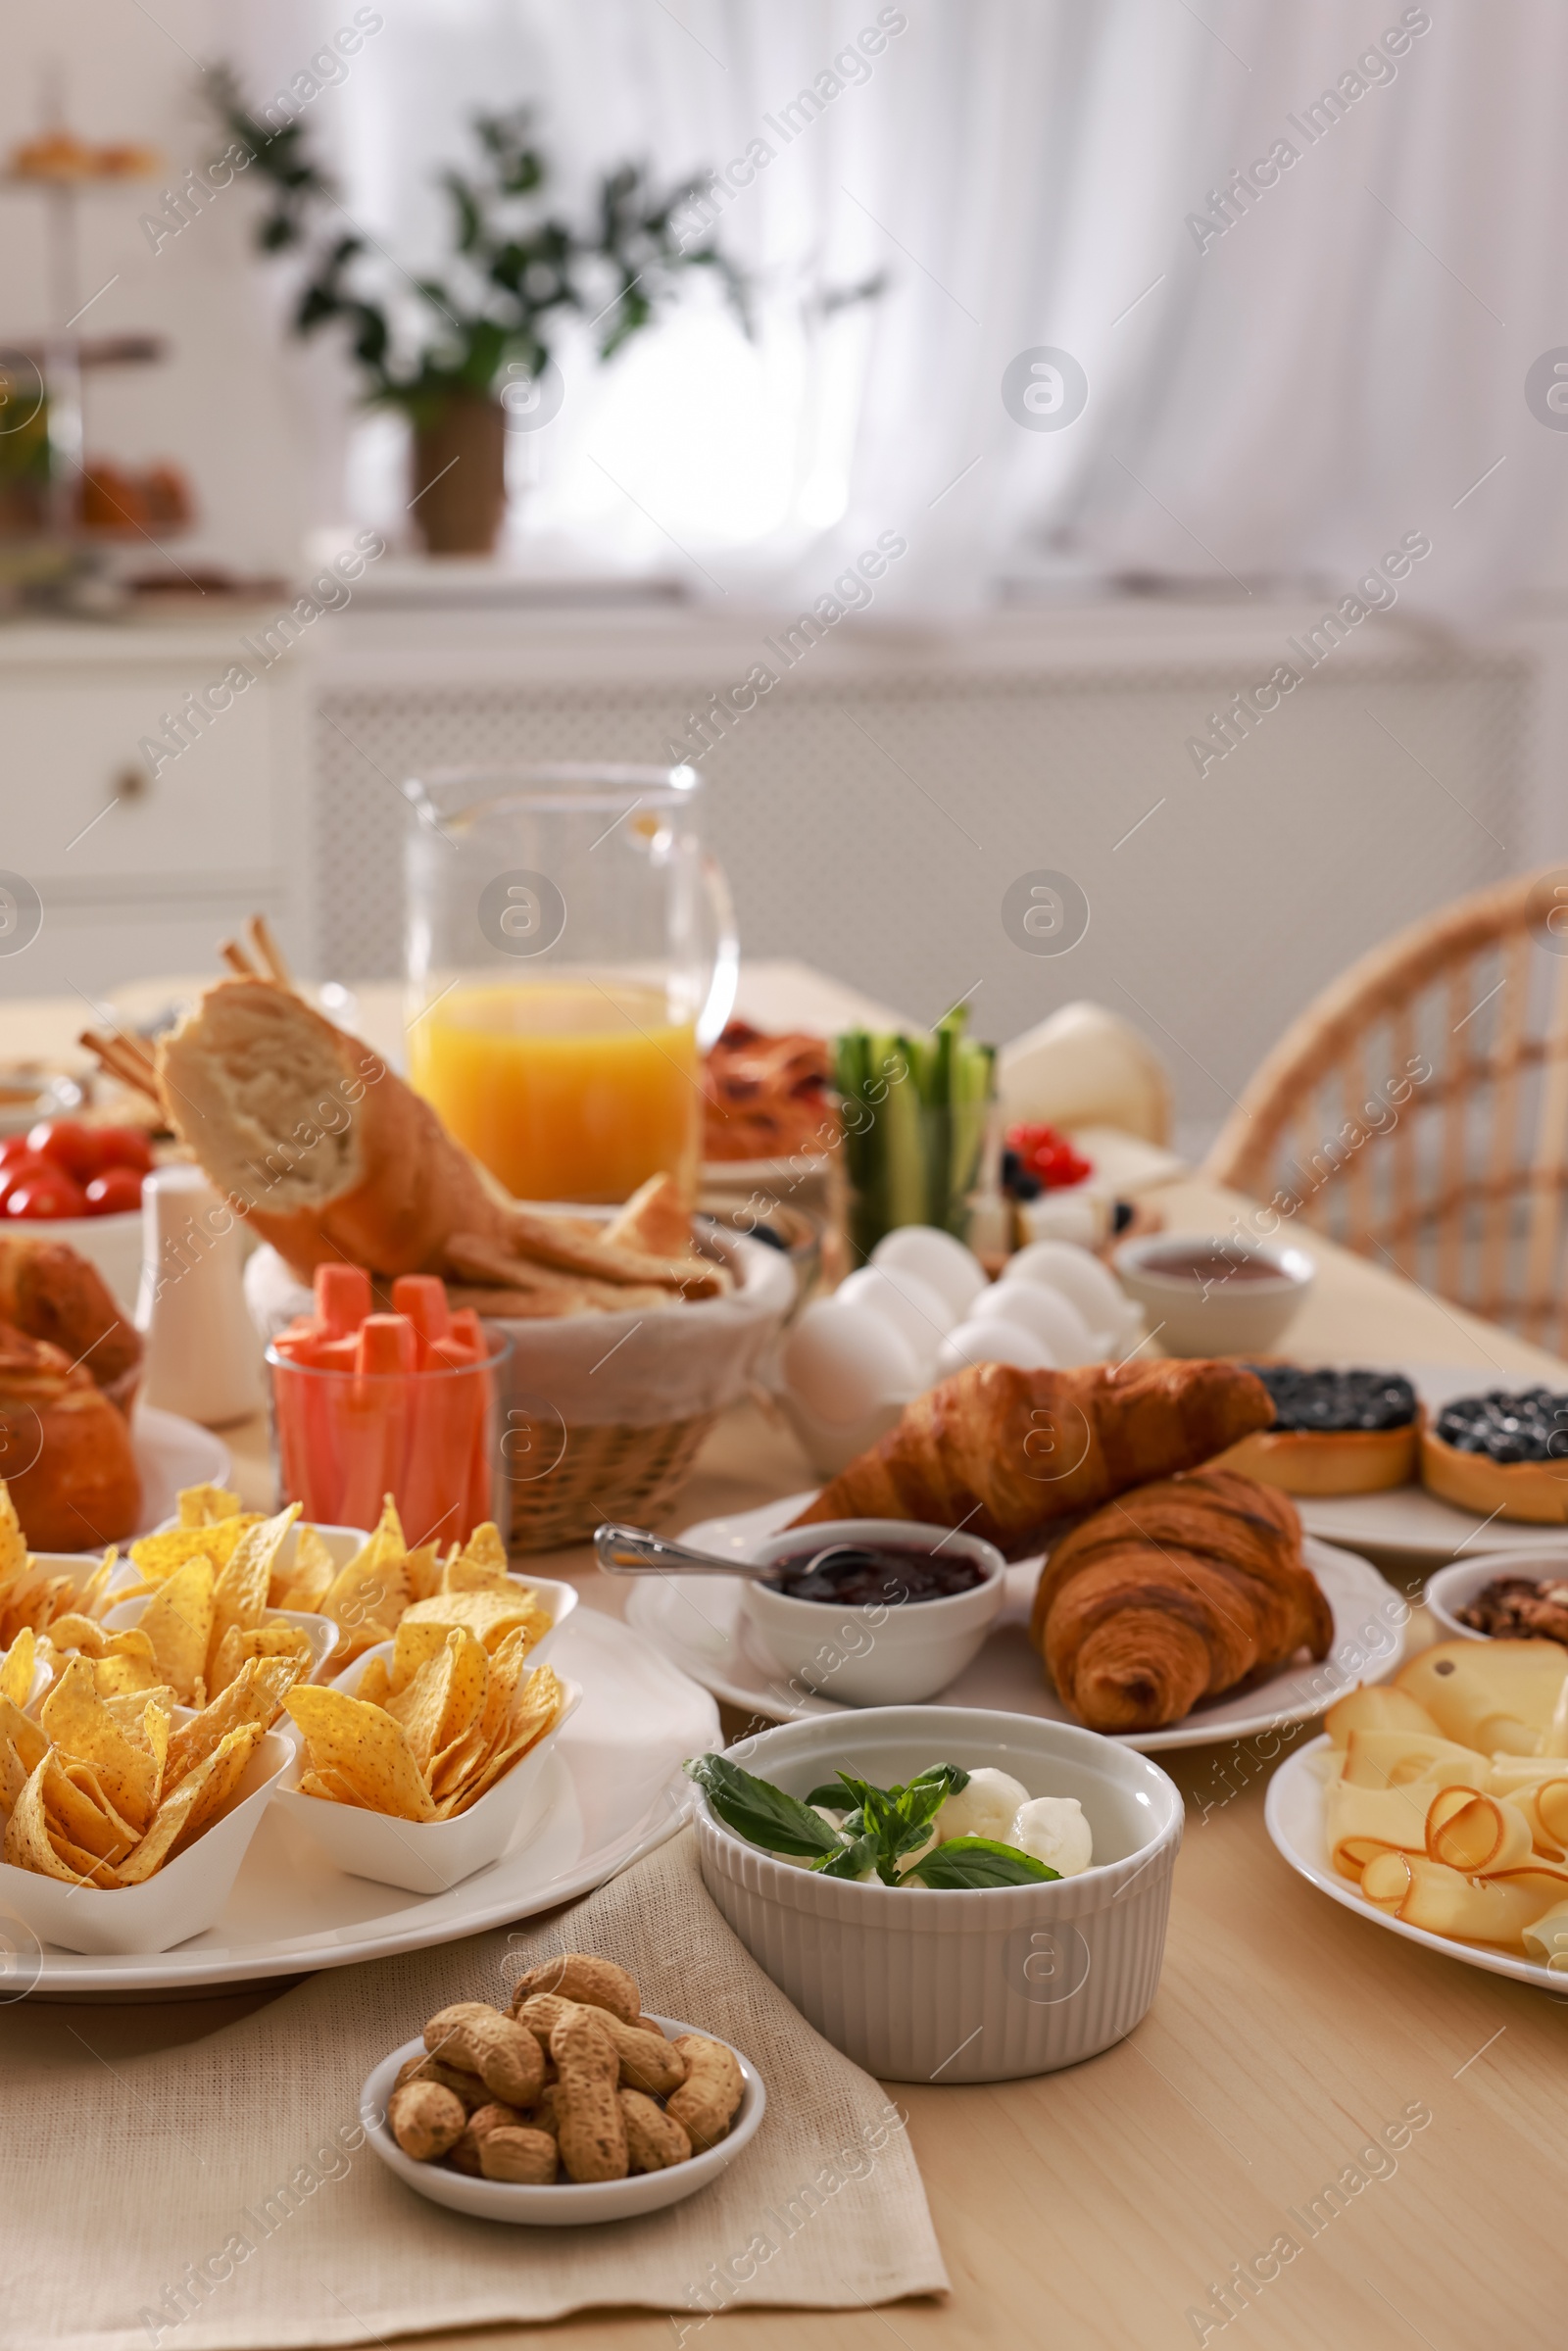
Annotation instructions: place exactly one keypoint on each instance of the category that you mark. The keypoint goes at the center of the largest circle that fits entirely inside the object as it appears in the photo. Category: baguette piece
(1005, 1453)
(320, 1145)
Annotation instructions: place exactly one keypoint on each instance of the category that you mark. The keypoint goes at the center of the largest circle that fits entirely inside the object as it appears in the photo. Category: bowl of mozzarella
(946, 1894)
(922, 1310)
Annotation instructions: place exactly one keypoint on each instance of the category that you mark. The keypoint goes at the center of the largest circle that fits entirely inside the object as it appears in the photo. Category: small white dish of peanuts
(570, 2105)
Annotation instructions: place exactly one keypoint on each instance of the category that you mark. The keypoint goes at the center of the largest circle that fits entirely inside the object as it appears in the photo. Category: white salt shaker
(203, 1358)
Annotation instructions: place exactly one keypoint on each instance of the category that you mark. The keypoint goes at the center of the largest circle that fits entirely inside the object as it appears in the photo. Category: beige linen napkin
(220, 2194)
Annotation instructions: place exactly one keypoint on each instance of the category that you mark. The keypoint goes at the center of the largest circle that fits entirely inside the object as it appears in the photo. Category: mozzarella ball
(936, 1258)
(994, 1342)
(1077, 1275)
(1052, 1830)
(919, 1313)
(842, 1362)
(1052, 1318)
(987, 1807)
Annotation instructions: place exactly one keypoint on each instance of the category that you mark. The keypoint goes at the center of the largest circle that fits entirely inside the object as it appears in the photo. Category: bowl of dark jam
(873, 1611)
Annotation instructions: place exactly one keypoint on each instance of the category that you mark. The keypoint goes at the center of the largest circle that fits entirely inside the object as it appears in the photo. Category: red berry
(46, 1196)
(25, 1165)
(113, 1192)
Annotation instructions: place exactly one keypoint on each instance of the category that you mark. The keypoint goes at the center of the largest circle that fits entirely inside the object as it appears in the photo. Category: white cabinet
(141, 862)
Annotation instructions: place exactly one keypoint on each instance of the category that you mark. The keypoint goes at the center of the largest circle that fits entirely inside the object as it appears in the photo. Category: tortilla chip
(129, 1706)
(449, 1770)
(374, 1588)
(308, 1578)
(74, 1630)
(538, 1709)
(75, 1720)
(255, 1697)
(366, 1746)
(414, 1644)
(485, 1549)
(128, 1667)
(29, 1844)
(375, 1684)
(353, 1644)
(14, 1555)
(17, 1666)
(423, 1569)
(22, 1746)
(331, 1787)
(179, 1622)
(157, 1556)
(240, 1597)
(446, 1698)
(208, 1505)
(76, 1804)
(261, 1640)
(95, 1591)
(199, 1797)
(488, 1615)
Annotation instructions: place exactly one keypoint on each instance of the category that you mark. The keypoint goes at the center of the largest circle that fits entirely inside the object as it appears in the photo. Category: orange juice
(566, 1090)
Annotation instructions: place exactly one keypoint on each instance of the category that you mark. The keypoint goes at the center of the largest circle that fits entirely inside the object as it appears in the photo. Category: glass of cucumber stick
(915, 1110)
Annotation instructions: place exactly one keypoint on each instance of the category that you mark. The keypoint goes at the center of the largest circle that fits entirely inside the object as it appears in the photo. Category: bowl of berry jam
(874, 1611)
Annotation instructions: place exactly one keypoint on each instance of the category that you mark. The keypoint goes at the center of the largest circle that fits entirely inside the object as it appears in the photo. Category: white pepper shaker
(203, 1358)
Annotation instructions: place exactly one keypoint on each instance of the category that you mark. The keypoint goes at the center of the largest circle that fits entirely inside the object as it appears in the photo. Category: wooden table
(1095, 2210)
(1092, 2210)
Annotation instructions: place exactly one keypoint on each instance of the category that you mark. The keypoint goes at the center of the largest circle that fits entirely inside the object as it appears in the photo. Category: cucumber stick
(914, 1115)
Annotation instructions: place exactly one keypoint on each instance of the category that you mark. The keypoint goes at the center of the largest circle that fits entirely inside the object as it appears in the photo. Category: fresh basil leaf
(979, 1861)
(832, 1794)
(918, 1806)
(760, 1812)
(946, 1775)
(852, 1862)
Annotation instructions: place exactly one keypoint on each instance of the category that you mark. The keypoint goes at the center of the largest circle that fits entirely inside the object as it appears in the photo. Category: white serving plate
(1293, 1813)
(567, 2203)
(618, 1793)
(171, 1453)
(1407, 1519)
(698, 1622)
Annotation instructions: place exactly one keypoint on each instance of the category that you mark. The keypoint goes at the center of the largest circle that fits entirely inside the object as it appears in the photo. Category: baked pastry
(50, 1291)
(1335, 1432)
(1501, 1455)
(1176, 1593)
(766, 1096)
(65, 1452)
(1002, 1452)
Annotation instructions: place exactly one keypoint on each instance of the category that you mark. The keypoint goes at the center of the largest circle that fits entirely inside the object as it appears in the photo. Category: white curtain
(1325, 362)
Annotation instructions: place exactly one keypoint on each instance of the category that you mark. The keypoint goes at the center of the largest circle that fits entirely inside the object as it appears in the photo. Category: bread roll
(65, 1452)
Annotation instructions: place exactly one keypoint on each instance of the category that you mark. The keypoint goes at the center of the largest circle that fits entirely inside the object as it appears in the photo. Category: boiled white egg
(987, 1807)
(842, 1362)
(1047, 1314)
(993, 1341)
(936, 1258)
(1052, 1830)
(1078, 1276)
(921, 1313)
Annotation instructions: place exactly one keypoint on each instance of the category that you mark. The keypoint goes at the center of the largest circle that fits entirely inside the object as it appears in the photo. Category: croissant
(1003, 1452)
(1176, 1593)
(50, 1291)
(65, 1452)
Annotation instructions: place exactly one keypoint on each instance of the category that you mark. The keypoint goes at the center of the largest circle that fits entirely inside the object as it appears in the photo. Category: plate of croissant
(1151, 1598)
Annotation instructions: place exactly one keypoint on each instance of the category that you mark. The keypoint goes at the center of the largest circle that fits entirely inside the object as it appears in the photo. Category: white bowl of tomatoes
(84, 1182)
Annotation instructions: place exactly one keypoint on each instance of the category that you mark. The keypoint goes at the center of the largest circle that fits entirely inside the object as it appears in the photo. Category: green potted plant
(454, 353)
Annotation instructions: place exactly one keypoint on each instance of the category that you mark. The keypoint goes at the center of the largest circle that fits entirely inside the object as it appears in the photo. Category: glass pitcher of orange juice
(571, 955)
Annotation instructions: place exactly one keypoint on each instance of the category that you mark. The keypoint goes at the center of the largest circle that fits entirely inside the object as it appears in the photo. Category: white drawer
(78, 803)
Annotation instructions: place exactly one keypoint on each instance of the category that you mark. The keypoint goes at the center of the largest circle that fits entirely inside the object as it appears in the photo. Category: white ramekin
(892, 1653)
(1454, 1587)
(1222, 1316)
(916, 1985)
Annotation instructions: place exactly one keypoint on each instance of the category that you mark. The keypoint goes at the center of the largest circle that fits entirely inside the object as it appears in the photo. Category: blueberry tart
(1503, 1455)
(1335, 1432)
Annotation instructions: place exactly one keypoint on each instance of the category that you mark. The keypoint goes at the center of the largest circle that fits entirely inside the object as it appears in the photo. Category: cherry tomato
(16, 1147)
(115, 1191)
(24, 1167)
(52, 1194)
(122, 1147)
(70, 1145)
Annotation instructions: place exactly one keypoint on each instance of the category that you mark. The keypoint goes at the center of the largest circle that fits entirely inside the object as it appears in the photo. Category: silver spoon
(634, 1551)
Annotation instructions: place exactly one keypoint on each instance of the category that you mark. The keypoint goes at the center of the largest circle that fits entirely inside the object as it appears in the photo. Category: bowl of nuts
(569, 2106)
